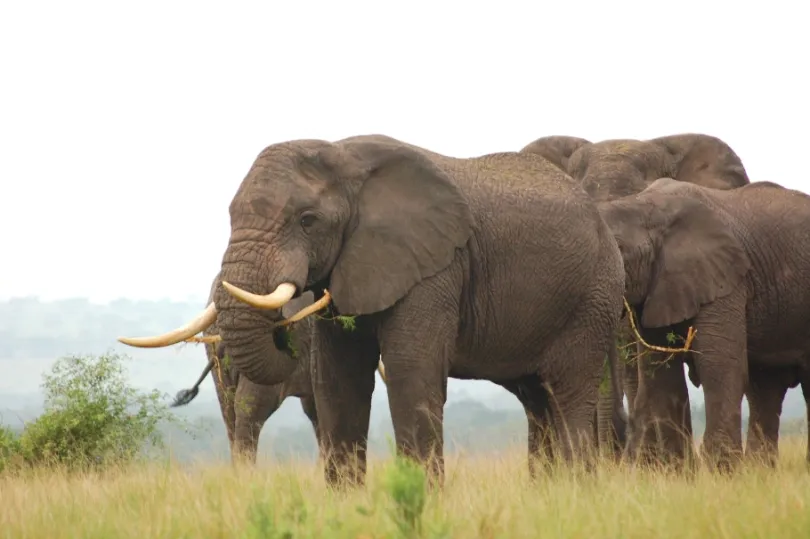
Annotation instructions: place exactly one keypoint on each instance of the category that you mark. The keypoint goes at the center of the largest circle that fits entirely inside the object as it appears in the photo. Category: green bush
(9, 447)
(92, 417)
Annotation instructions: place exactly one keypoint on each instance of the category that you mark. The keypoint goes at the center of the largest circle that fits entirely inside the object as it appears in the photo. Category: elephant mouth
(272, 301)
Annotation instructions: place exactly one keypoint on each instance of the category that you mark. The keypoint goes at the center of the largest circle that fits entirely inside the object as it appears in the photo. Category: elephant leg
(308, 405)
(661, 423)
(418, 343)
(344, 363)
(253, 405)
(722, 366)
(572, 368)
(766, 392)
(535, 400)
(806, 392)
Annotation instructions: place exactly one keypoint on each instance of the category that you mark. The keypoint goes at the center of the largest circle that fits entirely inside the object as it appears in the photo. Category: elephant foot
(723, 460)
(344, 470)
(241, 456)
(764, 458)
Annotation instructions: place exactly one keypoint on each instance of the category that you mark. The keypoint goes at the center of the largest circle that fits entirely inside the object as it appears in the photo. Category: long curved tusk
(381, 369)
(200, 323)
(306, 311)
(274, 300)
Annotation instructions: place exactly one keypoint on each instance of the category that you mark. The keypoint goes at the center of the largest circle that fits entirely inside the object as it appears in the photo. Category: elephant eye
(308, 219)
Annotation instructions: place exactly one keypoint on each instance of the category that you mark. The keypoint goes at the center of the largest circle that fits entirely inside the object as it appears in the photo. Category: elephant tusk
(274, 300)
(200, 323)
(381, 369)
(306, 311)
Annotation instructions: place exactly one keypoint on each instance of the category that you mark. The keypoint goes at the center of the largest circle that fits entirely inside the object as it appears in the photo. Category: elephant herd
(524, 268)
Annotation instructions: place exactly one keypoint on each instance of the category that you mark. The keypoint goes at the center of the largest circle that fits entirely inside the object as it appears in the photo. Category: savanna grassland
(483, 497)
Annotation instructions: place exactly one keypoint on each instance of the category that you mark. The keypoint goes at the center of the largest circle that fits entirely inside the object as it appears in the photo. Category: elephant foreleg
(253, 405)
(308, 405)
(722, 365)
(342, 382)
(416, 372)
(661, 422)
(535, 400)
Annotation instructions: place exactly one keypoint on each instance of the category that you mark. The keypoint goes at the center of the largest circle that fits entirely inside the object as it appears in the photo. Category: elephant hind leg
(534, 397)
(572, 368)
(766, 393)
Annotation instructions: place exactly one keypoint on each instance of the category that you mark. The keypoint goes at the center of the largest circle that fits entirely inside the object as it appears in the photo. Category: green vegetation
(92, 419)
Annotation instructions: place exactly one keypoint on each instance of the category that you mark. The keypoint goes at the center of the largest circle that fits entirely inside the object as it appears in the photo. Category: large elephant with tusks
(497, 267)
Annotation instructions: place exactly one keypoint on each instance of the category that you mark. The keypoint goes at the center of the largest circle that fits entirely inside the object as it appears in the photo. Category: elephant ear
(704, 160)
(557, 149)
(410, 217)
(699, 260)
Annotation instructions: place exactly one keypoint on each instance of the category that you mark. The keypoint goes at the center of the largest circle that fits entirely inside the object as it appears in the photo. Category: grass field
(483, 497)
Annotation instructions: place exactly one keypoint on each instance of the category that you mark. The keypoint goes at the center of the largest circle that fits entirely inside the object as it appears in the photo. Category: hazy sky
(125, 128)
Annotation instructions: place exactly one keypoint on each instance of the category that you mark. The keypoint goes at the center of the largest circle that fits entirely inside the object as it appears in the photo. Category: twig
(690, 335)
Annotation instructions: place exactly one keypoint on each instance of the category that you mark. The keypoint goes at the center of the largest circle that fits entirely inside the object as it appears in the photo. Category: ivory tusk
(274, 300)
(200, 323)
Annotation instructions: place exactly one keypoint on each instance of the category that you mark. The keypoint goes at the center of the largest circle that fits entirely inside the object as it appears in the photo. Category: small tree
(92, 416)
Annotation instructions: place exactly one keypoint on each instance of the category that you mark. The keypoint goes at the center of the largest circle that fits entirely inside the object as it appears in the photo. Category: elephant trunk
(630, 383)
(618, 416)
(629, 368)
(604, 416)
(248, 336)
(249, 306)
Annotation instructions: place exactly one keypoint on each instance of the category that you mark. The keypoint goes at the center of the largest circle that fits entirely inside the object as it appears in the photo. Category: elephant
(245, 405)
(497, 267)
(767, 387)
(733, 265)
(611, 169)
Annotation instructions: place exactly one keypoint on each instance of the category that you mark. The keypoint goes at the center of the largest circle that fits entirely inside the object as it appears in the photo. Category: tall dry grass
(483, 497)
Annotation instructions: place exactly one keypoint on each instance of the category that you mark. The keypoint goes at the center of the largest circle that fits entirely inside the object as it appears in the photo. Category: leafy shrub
(9, 447)
(92, 417)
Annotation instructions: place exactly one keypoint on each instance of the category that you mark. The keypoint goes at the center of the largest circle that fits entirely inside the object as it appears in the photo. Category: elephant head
(678, 252)
(615, 168)
(367, 217)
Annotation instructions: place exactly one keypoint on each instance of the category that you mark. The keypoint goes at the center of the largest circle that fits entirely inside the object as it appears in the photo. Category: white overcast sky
(125, 128)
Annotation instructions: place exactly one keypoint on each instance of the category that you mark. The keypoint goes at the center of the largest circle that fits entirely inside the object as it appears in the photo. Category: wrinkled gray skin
(735, 265)
(611, 169)
(246, 406)
(497, 268)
